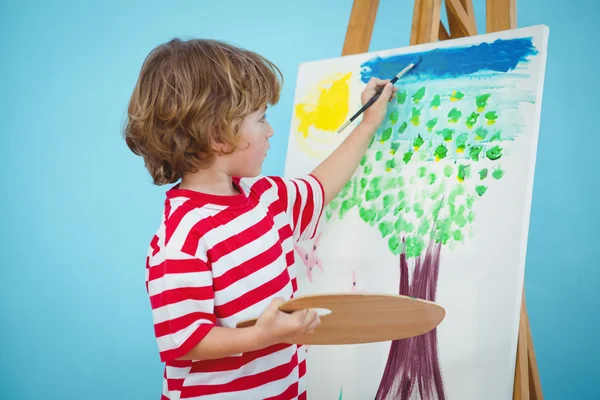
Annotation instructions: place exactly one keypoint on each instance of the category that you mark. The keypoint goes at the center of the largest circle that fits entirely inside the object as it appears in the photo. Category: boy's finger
(300, 317)
(386, 93)
(374, 83)
(315, 323)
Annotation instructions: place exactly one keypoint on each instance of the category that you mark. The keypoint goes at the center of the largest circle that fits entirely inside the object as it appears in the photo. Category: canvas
(438, 209)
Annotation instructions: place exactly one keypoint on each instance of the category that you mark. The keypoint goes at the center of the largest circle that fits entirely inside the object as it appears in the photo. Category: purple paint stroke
(413, 363)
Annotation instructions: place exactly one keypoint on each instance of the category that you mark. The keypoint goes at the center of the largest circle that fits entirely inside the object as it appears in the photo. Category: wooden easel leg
(360, 27)
(535, 385)
(501, 15)
(521, 385)
(426, 21)
(461, 18)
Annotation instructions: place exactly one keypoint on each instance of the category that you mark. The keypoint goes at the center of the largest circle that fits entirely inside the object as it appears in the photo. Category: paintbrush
(378, 93)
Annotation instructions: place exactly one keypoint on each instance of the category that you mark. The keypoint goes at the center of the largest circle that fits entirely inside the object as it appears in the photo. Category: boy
(224, 249)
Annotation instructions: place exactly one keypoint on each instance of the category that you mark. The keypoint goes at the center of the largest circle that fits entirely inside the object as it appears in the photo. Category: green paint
(401, 195)
(474, 152)
(414, 246)
(334, 204)
(363, 160)
(470, 217)
(394, 117)
(375, 182)
(399, 208)
(418, 96)
(390, 183)
(472, 120)
(480, 189)
(431, 124)
(463, 172)
(432, 178)
(470, 201)
(418, 142)
(457, 95)
(424, 227)
(367, 215)
(385, 228)
(328, 214)
(407, 156)
(421, 172)
(378, 155)
(498, 173)
(460, 220)
(480, 133)
(454, 115)
(346, 189)
(440, 152)
(386, 134)
(416, 114)
(388, 199)
(395, 245)
(368, 169)
(401, 96)
(394, 148)
(435, 103)
(443, 230)
(446, 134)
(437, 209)
(483, 173)
(402, 127)
(403, 226)
(417, 208)
(382, 213)
(372, 141)
(345, 207)
(496, 136)
(461, 142)
(448, 171)
(494, 153)
(363, 182)
(457, 235)
(491, 116)
(481, 101)
(390, 164)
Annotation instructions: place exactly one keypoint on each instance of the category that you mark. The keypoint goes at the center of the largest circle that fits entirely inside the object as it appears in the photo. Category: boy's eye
(264, 118)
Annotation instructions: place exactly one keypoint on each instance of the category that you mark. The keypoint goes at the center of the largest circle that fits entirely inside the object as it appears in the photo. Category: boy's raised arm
(335, 171)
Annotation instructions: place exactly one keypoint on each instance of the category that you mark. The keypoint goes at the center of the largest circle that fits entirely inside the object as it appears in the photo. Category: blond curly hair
(191, 95)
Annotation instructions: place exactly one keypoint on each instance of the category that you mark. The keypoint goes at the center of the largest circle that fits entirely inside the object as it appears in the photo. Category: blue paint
(503, 55)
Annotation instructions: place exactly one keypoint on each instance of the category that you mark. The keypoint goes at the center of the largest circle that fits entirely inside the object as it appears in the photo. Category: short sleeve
(303, 202)
(180, 287)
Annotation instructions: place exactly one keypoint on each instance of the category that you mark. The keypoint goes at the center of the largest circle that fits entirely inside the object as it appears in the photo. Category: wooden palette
(363, 318)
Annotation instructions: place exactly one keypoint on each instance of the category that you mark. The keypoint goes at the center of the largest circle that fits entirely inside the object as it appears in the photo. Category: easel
(427, 27)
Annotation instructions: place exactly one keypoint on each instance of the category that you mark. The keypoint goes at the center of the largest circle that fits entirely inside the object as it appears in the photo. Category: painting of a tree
(435, 156)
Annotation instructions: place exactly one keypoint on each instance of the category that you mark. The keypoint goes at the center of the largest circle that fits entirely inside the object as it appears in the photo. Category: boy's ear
(220, 147)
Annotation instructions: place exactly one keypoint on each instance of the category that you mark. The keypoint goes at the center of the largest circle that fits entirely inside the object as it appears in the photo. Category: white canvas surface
(481, 276)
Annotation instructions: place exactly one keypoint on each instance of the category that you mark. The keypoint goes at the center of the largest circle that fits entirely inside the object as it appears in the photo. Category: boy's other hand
(275, 326)
(375, 114)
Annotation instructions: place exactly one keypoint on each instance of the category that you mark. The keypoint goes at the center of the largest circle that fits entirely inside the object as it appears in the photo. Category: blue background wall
(78, 208)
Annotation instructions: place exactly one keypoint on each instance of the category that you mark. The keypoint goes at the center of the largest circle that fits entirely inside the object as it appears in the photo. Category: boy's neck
(209, 181)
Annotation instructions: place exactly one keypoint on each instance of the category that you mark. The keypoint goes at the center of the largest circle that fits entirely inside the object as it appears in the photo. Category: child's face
(255, 132)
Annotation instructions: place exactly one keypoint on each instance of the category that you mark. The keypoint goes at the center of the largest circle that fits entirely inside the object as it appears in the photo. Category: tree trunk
(413, 367)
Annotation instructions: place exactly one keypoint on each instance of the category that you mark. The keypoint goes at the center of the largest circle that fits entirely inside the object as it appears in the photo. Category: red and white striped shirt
(216, 260)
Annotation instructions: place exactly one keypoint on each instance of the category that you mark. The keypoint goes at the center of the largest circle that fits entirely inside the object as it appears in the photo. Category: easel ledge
(427, 27)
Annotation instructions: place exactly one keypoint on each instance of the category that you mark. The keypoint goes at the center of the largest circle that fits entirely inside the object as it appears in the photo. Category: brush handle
(372, 99)
(378, 93)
